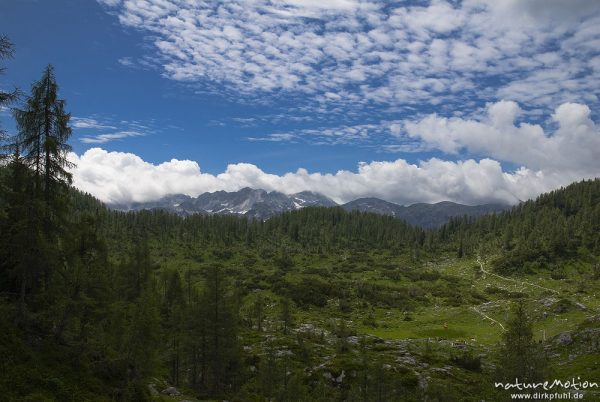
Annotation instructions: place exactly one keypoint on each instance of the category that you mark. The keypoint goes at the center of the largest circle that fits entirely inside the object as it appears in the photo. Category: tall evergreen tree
(222, 358)
(521, 357)
(6, 150)
(42, 138)
(6, 51)
(43, 133)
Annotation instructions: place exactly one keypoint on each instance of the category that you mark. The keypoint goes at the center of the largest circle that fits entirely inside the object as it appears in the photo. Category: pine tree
(42, 139)
(43, 134)
(173, 312)
(222, 355)
(286, 315)
(6, 52)
(521, 357)
(259, 305)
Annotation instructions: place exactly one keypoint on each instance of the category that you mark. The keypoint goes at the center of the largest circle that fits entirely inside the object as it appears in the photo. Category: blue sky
(472, 101)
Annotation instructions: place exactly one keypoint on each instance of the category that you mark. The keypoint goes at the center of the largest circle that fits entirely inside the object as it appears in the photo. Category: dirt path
(487, 317)
(510, 279)
(522, 283)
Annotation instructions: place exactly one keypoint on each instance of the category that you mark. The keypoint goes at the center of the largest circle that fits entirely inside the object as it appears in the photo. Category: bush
(309, 292)
(467, 361)
(429, 275)
(558, 273)
(284, 261)
(222, 254)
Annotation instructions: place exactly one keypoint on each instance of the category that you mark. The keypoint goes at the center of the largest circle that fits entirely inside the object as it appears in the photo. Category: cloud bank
(117, 177)
(545, 161)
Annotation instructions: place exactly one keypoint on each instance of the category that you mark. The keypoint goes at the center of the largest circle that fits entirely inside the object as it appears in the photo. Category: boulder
(564, 338)
(353, 340)
(171, 391)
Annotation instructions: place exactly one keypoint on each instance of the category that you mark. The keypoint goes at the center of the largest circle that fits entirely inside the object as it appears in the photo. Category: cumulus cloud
(117, 177)
(572, 148)
(357, 52)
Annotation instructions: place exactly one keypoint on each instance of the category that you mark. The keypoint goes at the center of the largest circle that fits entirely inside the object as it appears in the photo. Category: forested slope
(102, 301)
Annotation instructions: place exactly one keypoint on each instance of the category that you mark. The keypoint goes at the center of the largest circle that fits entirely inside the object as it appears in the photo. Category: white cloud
(88, 123)
(123, 177)
(572, 148)
(96, 130)
(103, 138)
(539, 51)
(126, 61)
(350, 134)
(276, 137)
(111, 3)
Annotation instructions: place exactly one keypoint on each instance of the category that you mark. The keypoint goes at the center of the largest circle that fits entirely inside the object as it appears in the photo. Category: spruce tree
(222, 356)
(43, 132)
(521, 357)
(6, 52)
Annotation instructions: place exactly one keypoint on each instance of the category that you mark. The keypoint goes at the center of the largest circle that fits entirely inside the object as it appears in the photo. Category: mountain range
(260, 204)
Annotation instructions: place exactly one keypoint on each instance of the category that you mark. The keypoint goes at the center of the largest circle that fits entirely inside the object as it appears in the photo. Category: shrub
(467, 361)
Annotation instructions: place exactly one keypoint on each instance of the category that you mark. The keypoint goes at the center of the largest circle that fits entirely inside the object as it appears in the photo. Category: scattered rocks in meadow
(592, 319)
(407, 359)
(306, 328)
(283, 352)
(353, 340)
(444, 370)
(548, 301)
(590, 339)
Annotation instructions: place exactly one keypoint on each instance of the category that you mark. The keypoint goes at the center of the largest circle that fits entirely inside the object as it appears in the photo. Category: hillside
(314, 304)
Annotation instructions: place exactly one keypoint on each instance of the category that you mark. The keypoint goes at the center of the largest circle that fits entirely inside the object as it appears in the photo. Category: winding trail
(522, 283)
(484, 315)
(510, 279)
